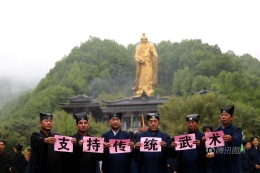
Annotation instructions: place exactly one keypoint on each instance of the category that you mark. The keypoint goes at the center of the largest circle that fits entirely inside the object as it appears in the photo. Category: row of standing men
(45, 160)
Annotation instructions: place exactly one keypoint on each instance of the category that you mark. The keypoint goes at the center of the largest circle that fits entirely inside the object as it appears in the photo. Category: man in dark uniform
(229, 161)
(153, 162)
(244, 162)
(44, 158)
(193, 160)
(83, 162)
(5, 158)
(115, 163)
(18, 163)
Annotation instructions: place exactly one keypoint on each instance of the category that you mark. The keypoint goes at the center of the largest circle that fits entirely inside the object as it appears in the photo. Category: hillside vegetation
(106, 70)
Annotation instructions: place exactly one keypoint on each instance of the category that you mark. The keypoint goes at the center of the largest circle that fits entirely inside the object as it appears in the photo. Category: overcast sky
(36, 34)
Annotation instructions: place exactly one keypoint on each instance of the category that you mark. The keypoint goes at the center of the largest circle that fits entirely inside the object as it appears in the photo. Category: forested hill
(106, 70)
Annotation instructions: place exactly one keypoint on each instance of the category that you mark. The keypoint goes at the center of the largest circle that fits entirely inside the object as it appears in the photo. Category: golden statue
(146, 68)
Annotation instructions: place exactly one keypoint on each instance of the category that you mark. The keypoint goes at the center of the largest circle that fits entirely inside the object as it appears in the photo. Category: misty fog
(18, 77)
(24, 72)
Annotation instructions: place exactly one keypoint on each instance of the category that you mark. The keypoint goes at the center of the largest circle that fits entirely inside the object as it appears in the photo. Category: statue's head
(144, 39)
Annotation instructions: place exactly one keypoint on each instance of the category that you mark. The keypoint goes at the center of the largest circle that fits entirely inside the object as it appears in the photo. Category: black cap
(153, 115)
(81, 116)
(19, 147)
(228, 109)
(205, 127)
(46, 116)
(193, 117)
(118, 115)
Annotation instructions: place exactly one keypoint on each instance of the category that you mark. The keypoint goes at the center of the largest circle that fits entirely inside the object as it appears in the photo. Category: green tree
(182, 81)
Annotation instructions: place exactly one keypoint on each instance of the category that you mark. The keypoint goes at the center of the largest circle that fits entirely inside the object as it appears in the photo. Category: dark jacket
(45, 159)
(229, 162)
(19, 163)
(253, 157)
(5, 162)
(154, 162)
(244, 163)
(83, 162)
(193, 160)
(116, 163)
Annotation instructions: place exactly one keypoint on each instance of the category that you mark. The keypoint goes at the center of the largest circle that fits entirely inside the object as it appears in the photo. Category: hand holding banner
(214, 139)
(63, 144)
(185, 142)
(119, 146)
(93, 144)
(150, 144)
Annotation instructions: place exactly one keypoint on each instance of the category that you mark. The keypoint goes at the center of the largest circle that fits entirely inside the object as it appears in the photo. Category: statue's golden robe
(146, 59)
